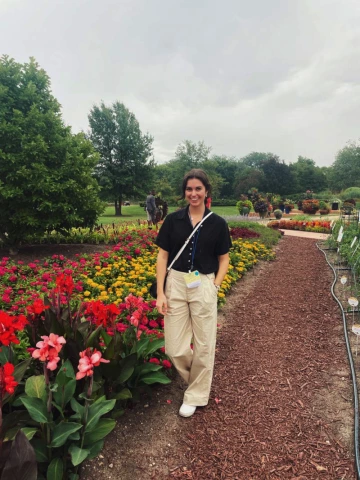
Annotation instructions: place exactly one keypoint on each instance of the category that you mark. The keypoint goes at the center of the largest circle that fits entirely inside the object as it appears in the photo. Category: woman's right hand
(161, 304)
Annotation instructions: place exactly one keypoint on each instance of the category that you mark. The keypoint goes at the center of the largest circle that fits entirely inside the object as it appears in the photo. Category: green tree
(307, 176)
(277, 176)
(46, 180)
(227, 168)
(188, 155)
(247, 178)
(345, 171)
(126, 165)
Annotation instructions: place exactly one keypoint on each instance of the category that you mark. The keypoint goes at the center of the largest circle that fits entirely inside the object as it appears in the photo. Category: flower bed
(238, 232)
(315, 226)
(79, 339)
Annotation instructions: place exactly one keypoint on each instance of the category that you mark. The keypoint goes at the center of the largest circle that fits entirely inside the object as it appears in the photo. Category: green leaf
(65, 393)
(55, 470)
(65, 373)
(36, 408)
(127, 368)
(35, 387)
(125, 394)
(21, 368)
(17, 402)
(155, 345)
(62, 431)
(74, 436)
(146, 368)
(94, 336)
(29, 432)
(78, 455)
(141, 346)
(78, 408)
(97, 410)
(41, 450)
(117, 413)
(95, 449)
(73, 476)
(11, 433)
(155, 377)
(103, 428)
(4, 354)
(107, 338)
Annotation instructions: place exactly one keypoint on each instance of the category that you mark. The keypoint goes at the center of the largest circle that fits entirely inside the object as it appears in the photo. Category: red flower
(37, 307)
(166, 364)
(8, 326)
(102, 314)
(154, 360)
(65, 284)
(7, 381)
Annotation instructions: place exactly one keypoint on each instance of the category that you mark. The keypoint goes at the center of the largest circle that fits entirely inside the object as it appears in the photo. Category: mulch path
(281, 395)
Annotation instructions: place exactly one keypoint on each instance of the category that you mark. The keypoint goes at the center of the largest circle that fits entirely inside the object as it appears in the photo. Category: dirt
(281, 405)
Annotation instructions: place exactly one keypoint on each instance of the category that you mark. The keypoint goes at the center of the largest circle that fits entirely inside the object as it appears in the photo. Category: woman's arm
(224, 261)
(161, 264)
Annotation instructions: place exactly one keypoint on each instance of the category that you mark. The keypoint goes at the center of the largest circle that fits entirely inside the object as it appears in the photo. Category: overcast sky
(279, 76)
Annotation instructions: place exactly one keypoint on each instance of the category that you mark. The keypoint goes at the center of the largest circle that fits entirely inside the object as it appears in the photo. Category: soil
(281, 404)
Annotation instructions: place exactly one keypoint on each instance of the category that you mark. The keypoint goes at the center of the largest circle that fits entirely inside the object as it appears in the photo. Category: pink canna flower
(89, 359)
(48, 350)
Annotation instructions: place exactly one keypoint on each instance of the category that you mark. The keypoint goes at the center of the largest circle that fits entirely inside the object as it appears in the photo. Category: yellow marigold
(101, 287)
(97, 267)
(87, 293)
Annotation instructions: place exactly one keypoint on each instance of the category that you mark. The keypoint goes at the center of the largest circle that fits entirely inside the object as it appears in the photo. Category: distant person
(150, 206)
(208, 202)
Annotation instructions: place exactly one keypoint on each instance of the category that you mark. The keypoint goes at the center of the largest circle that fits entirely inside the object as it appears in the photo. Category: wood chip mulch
(281, 394)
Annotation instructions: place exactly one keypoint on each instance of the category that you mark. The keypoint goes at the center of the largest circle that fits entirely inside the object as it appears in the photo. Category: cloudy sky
(279, 76)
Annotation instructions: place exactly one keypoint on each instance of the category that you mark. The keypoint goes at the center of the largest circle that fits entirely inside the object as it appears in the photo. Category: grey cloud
(272, 76)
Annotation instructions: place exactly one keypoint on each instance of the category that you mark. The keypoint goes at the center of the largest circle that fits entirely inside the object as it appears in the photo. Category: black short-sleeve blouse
(212, 240)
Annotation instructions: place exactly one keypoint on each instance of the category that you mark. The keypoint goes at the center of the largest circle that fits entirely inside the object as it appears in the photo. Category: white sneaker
(186, 410)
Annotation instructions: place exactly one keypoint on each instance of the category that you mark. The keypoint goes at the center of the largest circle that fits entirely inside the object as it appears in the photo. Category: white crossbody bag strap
(187, 241)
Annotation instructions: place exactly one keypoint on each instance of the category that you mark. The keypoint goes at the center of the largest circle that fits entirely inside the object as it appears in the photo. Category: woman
(191, 312)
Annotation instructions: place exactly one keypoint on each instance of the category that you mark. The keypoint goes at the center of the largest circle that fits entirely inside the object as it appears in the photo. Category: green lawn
(132, 213)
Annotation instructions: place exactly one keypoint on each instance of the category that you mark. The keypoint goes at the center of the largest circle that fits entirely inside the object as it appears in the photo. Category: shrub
(310, 206)
(241, 204)
(313, 226)
(278, 213)
(324, 207)
(224, 202)
(238, 232)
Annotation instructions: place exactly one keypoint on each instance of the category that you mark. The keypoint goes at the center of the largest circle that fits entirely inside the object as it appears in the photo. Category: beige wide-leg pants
(192, 318)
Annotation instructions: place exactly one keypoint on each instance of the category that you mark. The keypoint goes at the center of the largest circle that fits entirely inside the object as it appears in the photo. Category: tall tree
(345, 171)
(227, 168)
(277, 176)
(46, 180)
(126, 164)
(308, 176)
(188, 155)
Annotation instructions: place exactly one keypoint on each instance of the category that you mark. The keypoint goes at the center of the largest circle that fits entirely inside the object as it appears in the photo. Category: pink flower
(48, 350)
(89, 359)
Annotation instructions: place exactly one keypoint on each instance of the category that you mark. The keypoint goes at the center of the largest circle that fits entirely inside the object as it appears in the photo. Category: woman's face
(195, 192)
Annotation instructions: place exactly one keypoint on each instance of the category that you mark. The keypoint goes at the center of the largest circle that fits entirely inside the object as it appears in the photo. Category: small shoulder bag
(153, 288)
